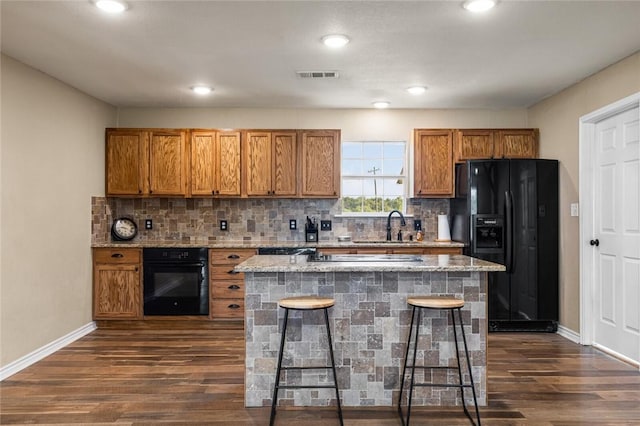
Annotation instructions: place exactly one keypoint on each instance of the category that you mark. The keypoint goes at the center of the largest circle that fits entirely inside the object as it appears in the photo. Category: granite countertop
(268, 243)
(433, 263)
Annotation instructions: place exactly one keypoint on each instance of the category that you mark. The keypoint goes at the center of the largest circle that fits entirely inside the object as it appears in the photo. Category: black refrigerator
(506, 211)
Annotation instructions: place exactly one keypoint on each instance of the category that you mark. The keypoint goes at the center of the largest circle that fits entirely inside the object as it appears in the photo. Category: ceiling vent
(317, 74)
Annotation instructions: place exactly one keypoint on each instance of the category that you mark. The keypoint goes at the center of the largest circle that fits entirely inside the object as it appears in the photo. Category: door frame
(586, 140)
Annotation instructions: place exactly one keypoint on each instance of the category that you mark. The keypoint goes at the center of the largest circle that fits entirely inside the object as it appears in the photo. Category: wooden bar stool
(440, 303)
(304, 303)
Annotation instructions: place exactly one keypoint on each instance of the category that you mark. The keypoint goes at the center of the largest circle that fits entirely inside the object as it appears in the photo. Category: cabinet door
(126, 162)
(284, 163)
(474, 144)
(433, 163)
(321, 163)
(257, 163)
(167, 162)
(116, 291)
(517, 143)
(203, 159)
(228, 164)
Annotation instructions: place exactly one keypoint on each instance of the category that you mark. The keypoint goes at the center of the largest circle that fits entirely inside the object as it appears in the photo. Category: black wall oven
(176, 281)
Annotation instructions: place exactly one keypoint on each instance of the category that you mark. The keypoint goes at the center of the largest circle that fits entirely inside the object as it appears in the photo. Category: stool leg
(406, 359)
(333, 365)
(413, 364)
(466, 352)
(276, 385)
(455, 341)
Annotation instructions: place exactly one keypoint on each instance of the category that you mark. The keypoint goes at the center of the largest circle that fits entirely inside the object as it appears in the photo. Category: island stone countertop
(430, 263)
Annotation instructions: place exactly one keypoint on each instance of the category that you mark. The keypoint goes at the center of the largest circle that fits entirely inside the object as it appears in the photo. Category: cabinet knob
(117, 255)
(213, 192)
(234, 287)
(233, 256)
(233, 306)
(232, 272)
(136, 269)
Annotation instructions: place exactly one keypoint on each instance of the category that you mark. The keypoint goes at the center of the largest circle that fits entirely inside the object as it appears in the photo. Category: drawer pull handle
(117, 255)
(234, 287)
(234, 306)
(232, 272)
(233, 256)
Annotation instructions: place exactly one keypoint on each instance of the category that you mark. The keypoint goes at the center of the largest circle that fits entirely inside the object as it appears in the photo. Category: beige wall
(356, 124)
(558, 120)
(52, 163)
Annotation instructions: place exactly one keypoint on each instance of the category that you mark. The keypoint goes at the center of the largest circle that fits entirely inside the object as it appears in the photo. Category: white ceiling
(249, 51)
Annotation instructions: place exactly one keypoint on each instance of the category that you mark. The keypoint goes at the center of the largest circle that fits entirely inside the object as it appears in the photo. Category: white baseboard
(568, 334)
(35, 356)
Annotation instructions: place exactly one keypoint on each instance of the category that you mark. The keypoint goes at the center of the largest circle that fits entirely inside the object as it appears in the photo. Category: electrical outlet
(417, 225)
(325, 225)
(575, 209)
(293, 224)
(148, 224)
(223, 225)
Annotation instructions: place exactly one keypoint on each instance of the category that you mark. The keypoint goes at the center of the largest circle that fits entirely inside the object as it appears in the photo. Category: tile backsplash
(197, 221)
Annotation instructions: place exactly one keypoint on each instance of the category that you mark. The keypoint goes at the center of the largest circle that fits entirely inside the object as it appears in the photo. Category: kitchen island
(369, 322)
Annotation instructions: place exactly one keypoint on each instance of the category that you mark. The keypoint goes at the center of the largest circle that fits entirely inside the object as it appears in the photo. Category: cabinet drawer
(227, 290)
(227, 308)
(224, 272)
(117, 255)
(443, 250)
(229, 256)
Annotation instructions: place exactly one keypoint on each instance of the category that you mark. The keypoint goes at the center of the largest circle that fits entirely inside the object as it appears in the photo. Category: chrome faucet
(402, 222)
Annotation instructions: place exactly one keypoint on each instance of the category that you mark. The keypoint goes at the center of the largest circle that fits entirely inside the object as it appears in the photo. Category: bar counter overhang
(369, 323)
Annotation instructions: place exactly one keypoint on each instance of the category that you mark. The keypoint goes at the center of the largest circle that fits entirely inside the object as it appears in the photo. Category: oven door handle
(175, 264)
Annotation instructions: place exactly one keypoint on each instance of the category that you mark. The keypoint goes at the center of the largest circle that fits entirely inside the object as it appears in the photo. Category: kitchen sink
(364, 258)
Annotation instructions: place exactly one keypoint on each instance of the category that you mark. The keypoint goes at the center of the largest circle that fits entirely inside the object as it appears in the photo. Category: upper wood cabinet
(127, 162)
(270, 163)
(168, 162)
(433, 162)
(215, 163)
(474, 144)
(517, 143)
(146, 162)
(320, 152)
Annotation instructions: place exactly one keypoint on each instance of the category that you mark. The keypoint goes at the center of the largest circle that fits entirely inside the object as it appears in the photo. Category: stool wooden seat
(439, 303)
(435, 302)
(306, 303)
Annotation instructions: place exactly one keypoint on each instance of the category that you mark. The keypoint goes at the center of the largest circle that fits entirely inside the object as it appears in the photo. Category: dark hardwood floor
(177, 373)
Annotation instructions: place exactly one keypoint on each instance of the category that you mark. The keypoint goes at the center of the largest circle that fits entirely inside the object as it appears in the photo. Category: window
(373, 177)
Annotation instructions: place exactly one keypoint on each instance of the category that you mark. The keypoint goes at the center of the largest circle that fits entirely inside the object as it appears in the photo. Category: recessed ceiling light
(479, 5)
(111, 6)
(417, 90)
(381, 104)
(335, 41)
(202, 90)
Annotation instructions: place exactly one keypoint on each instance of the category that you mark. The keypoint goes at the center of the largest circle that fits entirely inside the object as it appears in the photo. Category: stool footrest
(307, 387)
(440, 385)
(424, 367)
(306, 368)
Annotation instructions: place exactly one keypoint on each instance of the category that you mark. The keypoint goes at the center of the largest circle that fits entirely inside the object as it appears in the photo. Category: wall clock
(124, 229)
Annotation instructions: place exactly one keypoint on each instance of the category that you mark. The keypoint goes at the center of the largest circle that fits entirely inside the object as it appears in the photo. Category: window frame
(404, 177)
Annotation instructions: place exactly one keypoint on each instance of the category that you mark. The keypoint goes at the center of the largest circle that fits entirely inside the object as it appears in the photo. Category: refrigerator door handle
(508, 197)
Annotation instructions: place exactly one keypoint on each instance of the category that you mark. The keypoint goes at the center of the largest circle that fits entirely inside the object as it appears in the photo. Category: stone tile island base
(369, 325)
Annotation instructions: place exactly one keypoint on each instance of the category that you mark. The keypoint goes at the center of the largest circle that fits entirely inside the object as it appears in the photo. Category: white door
(616, 234)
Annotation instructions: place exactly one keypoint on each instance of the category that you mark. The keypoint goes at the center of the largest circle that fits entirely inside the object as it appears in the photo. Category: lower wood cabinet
(226, 286)
(117, 284)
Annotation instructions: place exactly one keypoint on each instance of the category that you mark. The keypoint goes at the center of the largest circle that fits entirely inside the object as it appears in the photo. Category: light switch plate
(293, 224)
(223, 225)
(575, 209)
(325, 225)
(148, 224)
